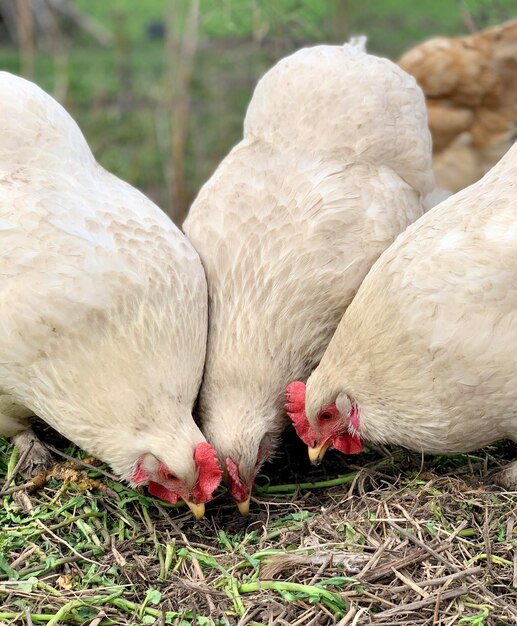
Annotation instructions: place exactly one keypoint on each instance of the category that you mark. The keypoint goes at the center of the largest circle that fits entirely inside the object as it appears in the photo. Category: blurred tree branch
(341, 20)
(181, 51)
(467, 18)
(43, 16)
(28, 21)
(25, 36)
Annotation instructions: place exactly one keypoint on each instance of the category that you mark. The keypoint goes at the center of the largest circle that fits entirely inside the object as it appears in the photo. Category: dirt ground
(386, 537)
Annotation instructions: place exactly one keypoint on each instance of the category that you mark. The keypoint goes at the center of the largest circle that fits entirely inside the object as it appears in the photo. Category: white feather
(427, 348)
(103, 305)
(335, 160)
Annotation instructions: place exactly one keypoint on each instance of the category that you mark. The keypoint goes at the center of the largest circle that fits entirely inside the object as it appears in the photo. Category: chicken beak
(244, 506)
(197, 509)
(316, 454)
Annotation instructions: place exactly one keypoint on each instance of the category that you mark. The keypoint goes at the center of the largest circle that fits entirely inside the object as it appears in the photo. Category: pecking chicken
(424, 357)
(335, 160)
(103, 308)
(470, 85)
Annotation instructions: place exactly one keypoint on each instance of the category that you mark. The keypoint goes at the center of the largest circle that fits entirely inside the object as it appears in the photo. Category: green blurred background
(160, 87)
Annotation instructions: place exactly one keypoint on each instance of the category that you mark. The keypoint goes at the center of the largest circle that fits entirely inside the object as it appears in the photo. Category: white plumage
(103, 304)
(426, 351)
(335, 160)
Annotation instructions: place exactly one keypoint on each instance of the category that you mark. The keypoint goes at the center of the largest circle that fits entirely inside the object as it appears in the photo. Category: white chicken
(335, 160)
(103, 308)
(424, 357)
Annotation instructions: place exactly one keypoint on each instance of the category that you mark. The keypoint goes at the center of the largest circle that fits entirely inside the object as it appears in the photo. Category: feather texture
(334, 162)
(427, 348)
(103, 303)
(470, 85)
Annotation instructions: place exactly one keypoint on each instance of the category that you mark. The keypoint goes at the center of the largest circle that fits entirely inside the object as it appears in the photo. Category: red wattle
(347, 443)
(159, 491)
(295, 406)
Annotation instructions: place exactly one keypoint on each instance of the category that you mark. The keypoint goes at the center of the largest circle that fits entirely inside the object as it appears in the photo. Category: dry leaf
(119, 559)
(65, 582)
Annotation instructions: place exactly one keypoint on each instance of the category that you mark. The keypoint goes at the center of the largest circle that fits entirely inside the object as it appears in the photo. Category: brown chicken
(470, 85)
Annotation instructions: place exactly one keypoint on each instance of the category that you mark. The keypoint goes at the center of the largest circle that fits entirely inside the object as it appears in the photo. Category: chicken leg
(37, 459)
(14, 424)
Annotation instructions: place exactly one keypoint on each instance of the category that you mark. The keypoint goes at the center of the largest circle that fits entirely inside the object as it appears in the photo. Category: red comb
(295, 406)
(210, 473)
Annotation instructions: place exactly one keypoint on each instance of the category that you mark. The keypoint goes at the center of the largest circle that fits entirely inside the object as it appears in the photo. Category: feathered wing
(358, 108)
(291, 259)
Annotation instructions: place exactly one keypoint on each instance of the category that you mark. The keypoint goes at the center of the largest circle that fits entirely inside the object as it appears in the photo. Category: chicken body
(425, 355)
(470, 85)
(334, 162)
(103, 303)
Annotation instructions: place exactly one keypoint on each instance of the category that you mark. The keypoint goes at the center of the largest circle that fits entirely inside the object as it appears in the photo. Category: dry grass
(400, 541)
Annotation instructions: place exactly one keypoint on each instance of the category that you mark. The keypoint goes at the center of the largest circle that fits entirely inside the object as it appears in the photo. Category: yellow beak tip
(244, 506)
(197, 509)
(316, 454)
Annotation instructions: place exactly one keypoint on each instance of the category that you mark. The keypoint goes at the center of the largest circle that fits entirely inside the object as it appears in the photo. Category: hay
(398, 540)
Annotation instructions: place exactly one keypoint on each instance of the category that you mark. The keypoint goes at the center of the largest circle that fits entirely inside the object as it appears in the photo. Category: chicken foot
(37, 458)
(14, 423)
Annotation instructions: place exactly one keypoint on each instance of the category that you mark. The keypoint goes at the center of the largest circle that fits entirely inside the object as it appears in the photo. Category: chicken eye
(325, 416)
(168, 475)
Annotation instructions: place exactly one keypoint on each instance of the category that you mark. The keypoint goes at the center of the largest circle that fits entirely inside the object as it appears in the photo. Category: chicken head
(333, 427)
(195, 490)
(240, 477)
